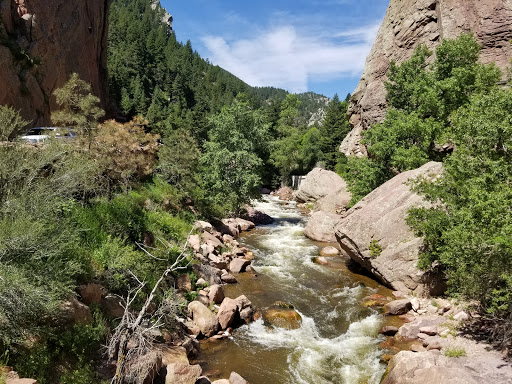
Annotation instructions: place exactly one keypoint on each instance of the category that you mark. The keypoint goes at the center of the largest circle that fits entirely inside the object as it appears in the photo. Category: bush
(11, 123)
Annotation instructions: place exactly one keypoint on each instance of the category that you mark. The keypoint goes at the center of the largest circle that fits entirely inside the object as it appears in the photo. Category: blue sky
(299, 45)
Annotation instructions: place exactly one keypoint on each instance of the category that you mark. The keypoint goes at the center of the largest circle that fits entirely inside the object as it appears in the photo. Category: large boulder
(73, 311)
(431, 367)
(204, 318)
(410, 23)
(320, 227)
(375, 235)
(320, 183)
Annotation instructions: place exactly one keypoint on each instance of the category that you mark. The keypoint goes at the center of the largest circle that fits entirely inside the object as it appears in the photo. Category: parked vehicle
(40, 134)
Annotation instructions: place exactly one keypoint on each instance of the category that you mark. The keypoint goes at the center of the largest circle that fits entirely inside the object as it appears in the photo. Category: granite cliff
(42, 43)
(409, 23)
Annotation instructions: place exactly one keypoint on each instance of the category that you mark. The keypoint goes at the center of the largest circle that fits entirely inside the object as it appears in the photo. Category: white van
(40, 134)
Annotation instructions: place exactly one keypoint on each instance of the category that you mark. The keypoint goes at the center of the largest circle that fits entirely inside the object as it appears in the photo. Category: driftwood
(138, 329)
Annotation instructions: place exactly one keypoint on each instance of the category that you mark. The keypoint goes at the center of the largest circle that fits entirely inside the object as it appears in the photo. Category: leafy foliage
(11, 123)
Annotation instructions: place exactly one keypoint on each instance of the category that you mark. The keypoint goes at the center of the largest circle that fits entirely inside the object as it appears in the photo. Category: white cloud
(287, 57)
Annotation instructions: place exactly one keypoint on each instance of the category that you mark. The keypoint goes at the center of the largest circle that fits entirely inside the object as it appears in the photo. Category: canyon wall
(41, 43)
(409, 23)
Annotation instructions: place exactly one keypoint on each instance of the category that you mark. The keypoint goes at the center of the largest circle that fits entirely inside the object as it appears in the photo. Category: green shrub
(375, 249)
(454, 352)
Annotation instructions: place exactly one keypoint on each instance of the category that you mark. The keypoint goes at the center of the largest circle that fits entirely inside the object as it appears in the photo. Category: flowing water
(337, 341)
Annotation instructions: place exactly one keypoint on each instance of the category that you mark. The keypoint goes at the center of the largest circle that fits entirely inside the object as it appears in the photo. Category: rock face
(377, 222)
(432, 367)
(409, 23)
(60, 37)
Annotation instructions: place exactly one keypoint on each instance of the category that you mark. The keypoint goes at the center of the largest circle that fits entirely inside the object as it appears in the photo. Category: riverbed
(338, 339)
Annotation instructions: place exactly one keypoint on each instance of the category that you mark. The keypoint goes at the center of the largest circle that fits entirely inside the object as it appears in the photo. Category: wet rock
(203, 380)
(246, 315)
(228, 278)
(204, 318)
(388, 330)
(227, 313)
(397, 307)
(321, 260)
(216, 294)
(178, 373)
(238, 265)
(282, 318)
(329, 251)
(235, 378)
(417, 347)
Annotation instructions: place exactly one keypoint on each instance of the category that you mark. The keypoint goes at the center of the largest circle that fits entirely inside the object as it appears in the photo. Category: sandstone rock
(397, 307)
(91, 293)
(285, 193)
(243, 302)
(13, 378)
(204, 318)
(207, 249)
(221, 381)
(178, 373)
(430, 330)
(227, 313)
(194, 242)
(238, 265)
(235, 378)
(47, 28)
(217, 262)
(192, 347)
(210, 239)
(73, 311)
(410, 23)
(380, 217)
(318, 184)
(412, 329)
(246, 315)
(257, 217)
(320, 227)
(201, 282)
(204, 226)
(203, 299)
(229, 227)
(192, 328)
(228, 278)
(329, 251)
(174, 354)
(216, 294)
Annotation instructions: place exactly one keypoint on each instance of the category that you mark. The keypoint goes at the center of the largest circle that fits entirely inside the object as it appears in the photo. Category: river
(338, 339)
